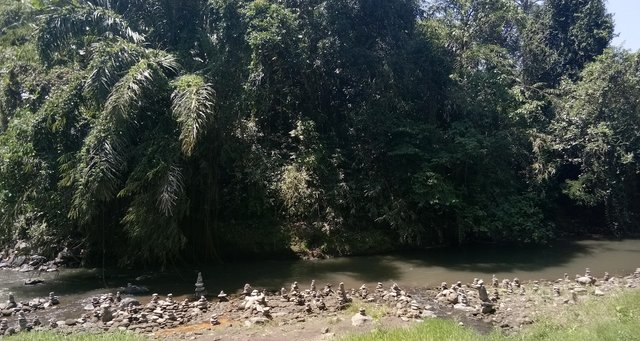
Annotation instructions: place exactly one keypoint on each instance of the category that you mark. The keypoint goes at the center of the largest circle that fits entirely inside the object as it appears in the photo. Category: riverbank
(310, 312)
(612, 318)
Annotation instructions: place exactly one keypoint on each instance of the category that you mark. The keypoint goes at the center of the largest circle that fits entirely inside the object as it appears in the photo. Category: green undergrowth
(611, 318)
(52, 336)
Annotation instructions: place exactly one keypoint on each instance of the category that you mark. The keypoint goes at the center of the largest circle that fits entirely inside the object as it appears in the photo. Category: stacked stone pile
(509, 303)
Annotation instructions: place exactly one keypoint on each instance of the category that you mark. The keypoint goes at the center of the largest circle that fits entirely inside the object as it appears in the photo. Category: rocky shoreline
(508, 304)
(21, 257)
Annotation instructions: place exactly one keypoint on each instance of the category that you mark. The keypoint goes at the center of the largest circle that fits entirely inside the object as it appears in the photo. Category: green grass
(376, 311)
(52, 336)
(612, 318)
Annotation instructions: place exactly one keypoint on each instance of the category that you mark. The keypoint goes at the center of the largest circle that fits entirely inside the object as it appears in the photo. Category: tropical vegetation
(151, 131)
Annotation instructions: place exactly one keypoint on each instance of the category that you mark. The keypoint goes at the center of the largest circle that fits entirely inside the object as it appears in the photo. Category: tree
(594, 137)
(562, 37)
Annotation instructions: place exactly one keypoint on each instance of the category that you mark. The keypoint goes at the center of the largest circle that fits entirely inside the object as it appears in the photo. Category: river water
(419, 269)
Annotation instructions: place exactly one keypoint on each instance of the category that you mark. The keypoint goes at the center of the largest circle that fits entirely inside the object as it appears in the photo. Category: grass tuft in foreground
(611, 318)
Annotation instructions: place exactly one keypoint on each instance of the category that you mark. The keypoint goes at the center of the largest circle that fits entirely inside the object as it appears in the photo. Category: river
(417, 269)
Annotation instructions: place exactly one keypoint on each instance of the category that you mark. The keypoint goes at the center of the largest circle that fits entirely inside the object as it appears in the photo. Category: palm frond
(151, 236)
(128, 91)
(171, 189)
(157, 171)
(145, 75)
(193, 105)
(98, 175)
(164, 62)
(109, 60)
(63, 26)
(155, 191)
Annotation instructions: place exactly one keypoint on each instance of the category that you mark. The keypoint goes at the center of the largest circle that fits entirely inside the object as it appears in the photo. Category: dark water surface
(420, 269)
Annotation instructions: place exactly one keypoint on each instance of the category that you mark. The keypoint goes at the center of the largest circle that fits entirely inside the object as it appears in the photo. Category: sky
(626, 14)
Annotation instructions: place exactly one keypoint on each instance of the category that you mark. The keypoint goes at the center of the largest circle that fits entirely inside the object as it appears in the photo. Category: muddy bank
(314, 311)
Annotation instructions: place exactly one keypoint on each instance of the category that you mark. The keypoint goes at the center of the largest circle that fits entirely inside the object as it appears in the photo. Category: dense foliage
(159, 129)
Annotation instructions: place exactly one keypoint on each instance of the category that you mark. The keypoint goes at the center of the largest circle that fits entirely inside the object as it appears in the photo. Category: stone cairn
(516, 282)
(40, 303)
(53, 299)
(294, 289)
(214, 320)
(284, 296)
(587, 279)
(11, 303)
(363, 292)
(22, 322)
(222, 297)
(202, 304)
(256, 302)
(246, 291)
(360, 318)
(327, 290)
(4, 325)
(200, 289)
(343, 299)
(107, 312)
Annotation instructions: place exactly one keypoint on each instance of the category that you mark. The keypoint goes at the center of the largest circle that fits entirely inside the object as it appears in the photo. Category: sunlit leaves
(64, 27)
(596, 130)
(193, 109)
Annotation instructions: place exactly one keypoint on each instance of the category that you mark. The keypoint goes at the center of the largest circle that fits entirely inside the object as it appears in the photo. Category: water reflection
(417, 269)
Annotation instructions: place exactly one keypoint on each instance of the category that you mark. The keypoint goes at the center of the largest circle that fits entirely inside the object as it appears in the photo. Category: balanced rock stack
(22, 322)
(246, 291)
(53, 300)
(343, 299)
(320, 304)
(11, 303)
(363, 291)
(360, 318)
(202, 304)
(200, 290)
(4, 325)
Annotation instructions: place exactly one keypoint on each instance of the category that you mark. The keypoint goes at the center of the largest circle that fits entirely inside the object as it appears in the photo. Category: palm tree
(145, 115)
